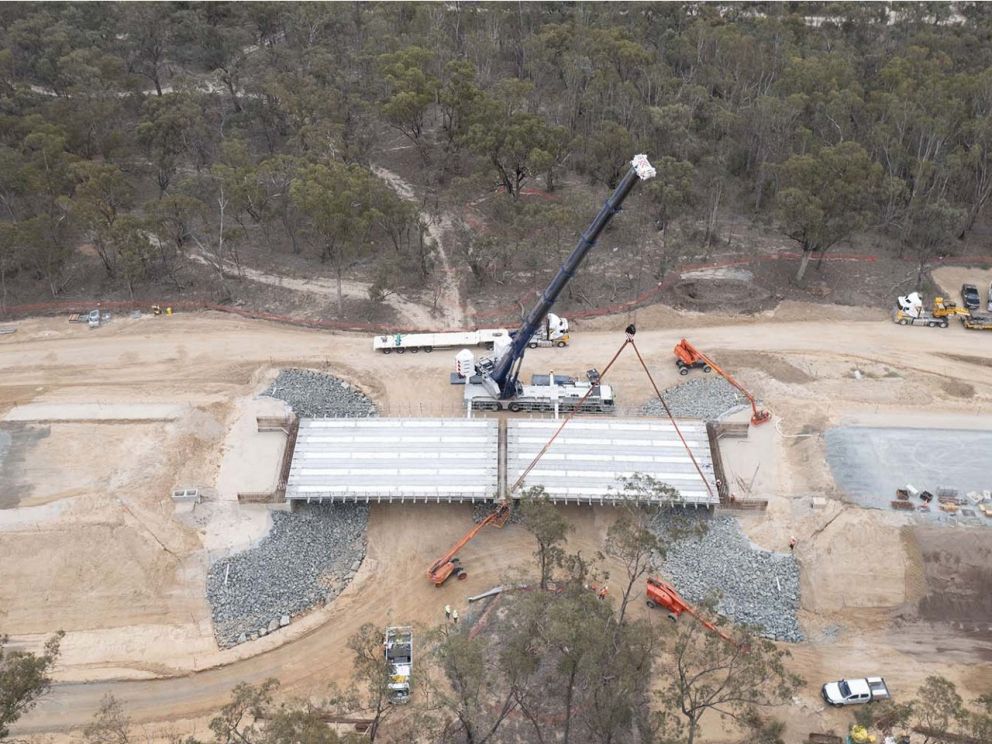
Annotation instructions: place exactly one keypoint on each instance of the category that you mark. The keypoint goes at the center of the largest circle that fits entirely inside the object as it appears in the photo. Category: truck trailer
(552, 332)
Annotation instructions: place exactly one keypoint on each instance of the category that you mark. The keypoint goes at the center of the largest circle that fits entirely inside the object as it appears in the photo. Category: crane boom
(507, 368)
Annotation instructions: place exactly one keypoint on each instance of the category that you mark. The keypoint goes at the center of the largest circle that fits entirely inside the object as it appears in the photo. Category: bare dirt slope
(111, 564)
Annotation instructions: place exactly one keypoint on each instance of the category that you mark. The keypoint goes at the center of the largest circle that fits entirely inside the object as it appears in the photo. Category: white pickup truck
(399, 658)
(855, 691)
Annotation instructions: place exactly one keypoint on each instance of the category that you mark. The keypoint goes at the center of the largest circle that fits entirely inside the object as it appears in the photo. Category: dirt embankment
(957, 565)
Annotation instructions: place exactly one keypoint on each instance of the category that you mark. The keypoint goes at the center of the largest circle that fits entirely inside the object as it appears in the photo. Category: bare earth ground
(93, 545)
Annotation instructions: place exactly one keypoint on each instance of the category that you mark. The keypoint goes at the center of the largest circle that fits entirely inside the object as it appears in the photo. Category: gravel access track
(307, 559)
(317, 395)
(755, 586)
(705, 398)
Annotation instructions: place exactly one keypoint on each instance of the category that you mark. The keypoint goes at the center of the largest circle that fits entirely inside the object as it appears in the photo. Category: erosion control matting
(870, 463)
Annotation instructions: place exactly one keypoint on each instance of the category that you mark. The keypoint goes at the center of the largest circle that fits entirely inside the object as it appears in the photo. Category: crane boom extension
(507, 368)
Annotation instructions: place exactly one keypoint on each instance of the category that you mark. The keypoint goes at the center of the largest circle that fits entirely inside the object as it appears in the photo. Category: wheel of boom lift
(515, 407)
(651, 604)
(673, 617)
(461, 574)
(707, 368)
(683, 371)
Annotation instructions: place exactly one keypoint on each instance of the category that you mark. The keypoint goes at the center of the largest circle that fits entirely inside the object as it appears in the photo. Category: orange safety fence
(508, 314)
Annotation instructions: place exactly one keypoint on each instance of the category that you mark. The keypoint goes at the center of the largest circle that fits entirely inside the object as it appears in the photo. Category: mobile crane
(492, 384)
(689, 357)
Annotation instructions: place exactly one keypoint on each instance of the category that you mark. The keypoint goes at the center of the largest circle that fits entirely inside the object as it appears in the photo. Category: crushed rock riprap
(319, 395)
(706, 398)
(309, 556)
(755, 586)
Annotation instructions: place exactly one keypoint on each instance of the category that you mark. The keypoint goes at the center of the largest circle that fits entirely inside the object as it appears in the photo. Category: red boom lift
(689, 357)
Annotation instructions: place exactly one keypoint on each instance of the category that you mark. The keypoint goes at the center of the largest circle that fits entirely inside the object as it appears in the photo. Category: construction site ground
(97, 427)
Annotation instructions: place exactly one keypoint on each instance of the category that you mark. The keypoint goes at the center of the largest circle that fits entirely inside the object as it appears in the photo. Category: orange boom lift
(662, 594)
(448, 564)
(689, 357)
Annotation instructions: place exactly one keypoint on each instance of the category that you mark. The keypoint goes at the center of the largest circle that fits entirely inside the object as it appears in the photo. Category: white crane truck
(492, 384)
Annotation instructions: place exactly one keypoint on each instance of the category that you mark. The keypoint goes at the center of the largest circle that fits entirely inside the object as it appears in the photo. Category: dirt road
(804, 372)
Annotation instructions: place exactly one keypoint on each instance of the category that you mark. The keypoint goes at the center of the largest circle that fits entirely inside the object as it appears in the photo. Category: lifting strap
(629, 340)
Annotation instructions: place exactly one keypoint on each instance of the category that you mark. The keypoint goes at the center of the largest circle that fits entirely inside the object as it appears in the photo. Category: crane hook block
(643, 167)
(630, 330)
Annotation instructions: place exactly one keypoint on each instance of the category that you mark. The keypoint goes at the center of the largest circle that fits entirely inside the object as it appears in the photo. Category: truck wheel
(414, 349)
(931, 324)
(943, 324)
(651, 604)
(401, 350)
(532, 345)
(515, 407)
(561, 344)
(387, 351)
(428, 349)
(707, 368)
(903, 321)
(683, 371)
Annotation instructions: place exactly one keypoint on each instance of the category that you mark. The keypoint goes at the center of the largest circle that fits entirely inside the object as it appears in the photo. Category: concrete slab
(588, 459)
(870, 463)
(381, 459)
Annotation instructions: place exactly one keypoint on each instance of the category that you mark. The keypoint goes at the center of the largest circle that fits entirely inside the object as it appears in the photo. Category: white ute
(855, 691)
(399, 658)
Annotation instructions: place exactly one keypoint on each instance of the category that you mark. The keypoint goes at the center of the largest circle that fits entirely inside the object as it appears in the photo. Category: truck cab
(855, 691)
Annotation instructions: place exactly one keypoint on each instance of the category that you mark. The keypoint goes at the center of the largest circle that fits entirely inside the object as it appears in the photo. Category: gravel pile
(316, 395)
(701, 397)
(756, 587)
(307, 559)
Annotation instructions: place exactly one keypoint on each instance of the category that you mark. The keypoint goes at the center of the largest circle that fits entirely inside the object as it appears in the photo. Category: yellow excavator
(947, 309)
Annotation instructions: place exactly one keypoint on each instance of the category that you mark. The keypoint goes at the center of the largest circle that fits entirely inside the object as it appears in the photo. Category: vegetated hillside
(386, 153)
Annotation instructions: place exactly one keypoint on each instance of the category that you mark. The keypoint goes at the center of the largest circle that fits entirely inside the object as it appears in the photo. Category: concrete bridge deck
(477, 460)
